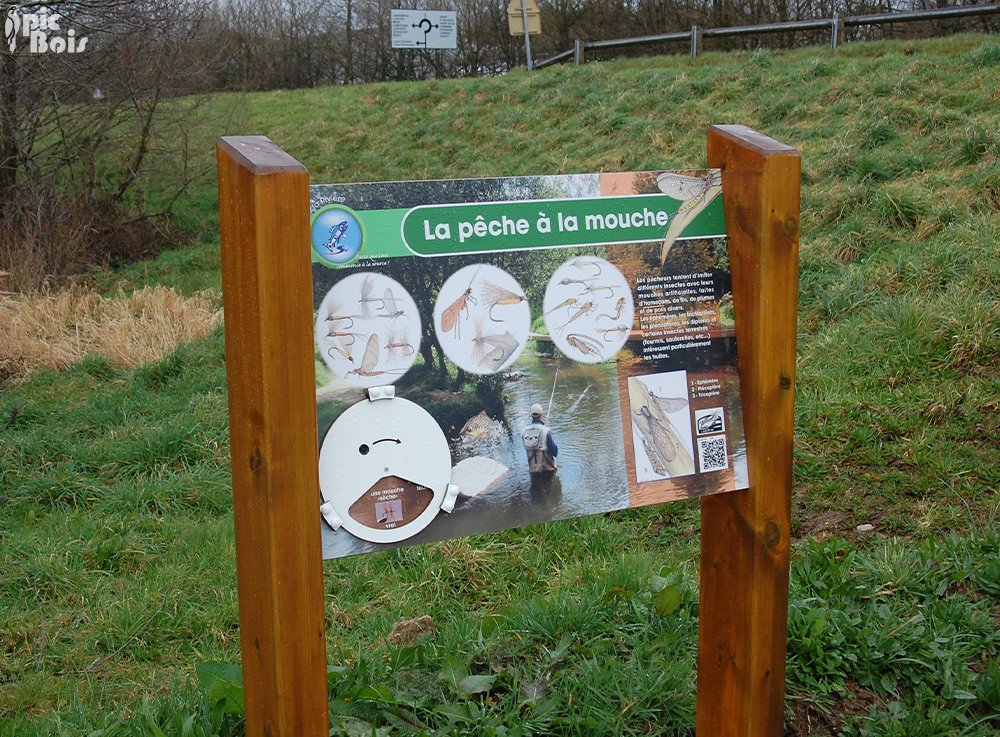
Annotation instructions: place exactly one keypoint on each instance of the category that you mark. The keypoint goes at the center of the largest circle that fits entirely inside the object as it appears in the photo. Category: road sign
(424, 29)
(515, 17)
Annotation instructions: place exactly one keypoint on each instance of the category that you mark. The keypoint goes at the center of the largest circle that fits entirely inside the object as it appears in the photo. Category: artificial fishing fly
(619, 309)
(367, 299)
(494, 295)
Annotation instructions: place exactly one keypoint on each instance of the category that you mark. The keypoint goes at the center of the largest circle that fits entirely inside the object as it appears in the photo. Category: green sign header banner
(462, 217)
(436, 230)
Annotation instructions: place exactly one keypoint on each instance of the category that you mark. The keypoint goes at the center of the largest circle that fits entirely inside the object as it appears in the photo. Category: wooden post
(745, 535)
(267, 291)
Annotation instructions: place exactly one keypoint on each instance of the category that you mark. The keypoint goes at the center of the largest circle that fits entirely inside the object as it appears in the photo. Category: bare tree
(81, 119)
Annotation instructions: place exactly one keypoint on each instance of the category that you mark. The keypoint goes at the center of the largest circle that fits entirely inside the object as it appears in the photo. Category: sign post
(424, 29)
(264, 217)
(524, 17)
(745, 535)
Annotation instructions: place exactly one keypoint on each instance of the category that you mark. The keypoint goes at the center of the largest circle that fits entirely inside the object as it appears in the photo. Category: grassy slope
(116, 563)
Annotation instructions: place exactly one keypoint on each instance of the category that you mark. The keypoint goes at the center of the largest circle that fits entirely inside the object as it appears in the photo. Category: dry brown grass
(55, 330)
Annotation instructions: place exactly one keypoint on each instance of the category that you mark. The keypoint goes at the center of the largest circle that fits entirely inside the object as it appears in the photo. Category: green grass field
(117, 568)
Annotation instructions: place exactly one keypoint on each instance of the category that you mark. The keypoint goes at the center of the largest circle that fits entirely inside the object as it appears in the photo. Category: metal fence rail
(836, 24)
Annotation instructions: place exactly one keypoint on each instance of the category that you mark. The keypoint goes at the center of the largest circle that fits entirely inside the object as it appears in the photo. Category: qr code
(712, 453)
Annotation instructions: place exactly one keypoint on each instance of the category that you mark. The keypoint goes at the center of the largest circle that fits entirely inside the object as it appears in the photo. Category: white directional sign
(424, 29)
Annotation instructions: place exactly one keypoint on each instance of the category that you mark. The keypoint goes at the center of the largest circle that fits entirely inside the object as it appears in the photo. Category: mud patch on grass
(821, 524)
(808, 719)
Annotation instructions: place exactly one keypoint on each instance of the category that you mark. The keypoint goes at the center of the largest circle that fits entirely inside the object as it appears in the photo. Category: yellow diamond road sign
(515, 17)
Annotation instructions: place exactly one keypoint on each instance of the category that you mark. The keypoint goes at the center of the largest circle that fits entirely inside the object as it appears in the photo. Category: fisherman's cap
(536, 410)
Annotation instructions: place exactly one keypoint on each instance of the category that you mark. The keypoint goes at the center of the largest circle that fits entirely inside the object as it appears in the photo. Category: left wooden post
(267, 293)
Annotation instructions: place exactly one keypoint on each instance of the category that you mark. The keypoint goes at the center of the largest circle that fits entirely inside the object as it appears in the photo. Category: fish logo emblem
(337, 235)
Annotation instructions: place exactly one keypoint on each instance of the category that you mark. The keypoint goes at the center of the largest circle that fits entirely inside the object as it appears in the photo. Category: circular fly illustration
(490, 302)
(588, 309)
(367, 329)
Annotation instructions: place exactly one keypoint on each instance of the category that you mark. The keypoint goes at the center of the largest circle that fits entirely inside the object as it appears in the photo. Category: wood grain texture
(267, 291)
(745, 535)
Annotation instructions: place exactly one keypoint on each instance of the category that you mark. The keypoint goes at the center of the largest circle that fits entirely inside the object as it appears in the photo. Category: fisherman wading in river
(540, 446)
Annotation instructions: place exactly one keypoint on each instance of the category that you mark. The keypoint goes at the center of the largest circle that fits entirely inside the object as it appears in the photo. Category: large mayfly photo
(695, 191)
(661, 426)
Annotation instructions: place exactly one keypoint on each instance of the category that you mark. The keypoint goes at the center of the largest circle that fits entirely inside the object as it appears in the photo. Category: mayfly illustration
(670, 404)
(654, 459)
(619, 309)
(337, 233)
(692, 190)
(494, 295)
(658, 440)
(568, 302)
(392, 311)
(451, 314)
(367, 299)
(695, 192)
(664, 448)
(369, 360)
(585, 344)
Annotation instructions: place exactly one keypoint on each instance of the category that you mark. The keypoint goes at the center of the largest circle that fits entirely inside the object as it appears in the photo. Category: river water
(586, 422)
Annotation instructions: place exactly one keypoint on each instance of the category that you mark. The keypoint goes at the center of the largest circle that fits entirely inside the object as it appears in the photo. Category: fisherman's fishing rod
(552, 396)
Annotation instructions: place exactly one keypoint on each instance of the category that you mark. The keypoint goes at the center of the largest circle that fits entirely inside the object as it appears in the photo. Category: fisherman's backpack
(533, 437)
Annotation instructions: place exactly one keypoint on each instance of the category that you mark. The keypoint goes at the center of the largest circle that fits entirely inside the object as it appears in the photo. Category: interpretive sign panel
(556, 346)
(424, 29)
(271, 350)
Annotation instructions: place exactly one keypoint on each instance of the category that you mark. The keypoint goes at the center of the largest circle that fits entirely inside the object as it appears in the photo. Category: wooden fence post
(267, 291)
(745, 535)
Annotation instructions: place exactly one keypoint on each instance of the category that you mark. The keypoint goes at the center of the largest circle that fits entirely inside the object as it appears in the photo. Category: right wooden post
(745, 535)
